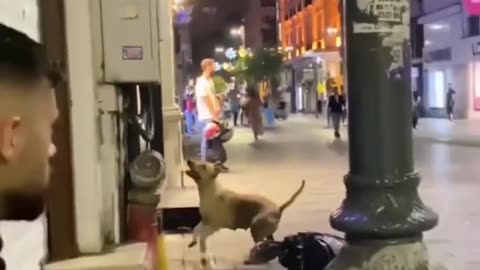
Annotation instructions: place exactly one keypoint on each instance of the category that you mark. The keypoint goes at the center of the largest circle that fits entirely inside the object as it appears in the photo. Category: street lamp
(235, 31)
(382, 216)
(219, 49)
(238, 32)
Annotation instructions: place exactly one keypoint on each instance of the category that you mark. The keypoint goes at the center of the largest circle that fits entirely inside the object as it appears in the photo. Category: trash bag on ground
(302, 251)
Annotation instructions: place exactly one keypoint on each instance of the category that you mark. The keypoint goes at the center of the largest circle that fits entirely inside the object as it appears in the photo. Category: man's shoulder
(200, 79)
(203, 81)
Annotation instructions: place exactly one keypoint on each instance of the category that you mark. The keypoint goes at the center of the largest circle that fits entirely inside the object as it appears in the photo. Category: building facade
(261, 24)
(450, 58)
(310, 34)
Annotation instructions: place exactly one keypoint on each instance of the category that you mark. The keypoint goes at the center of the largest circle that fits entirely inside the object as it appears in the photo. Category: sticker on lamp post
(386, 13)
(132, 53)
(389, 21)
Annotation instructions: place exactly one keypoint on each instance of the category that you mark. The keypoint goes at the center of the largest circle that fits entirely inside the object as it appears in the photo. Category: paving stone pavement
(301, 148)
(459, 132)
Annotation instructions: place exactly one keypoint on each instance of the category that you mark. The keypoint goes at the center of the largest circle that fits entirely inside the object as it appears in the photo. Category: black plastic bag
(310, 251)
(302, 251)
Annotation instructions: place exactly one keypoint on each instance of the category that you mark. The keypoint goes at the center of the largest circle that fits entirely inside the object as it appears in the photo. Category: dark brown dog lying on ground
(221, 208)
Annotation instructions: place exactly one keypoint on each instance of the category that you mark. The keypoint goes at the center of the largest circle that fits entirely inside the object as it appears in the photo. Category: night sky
(209, 29)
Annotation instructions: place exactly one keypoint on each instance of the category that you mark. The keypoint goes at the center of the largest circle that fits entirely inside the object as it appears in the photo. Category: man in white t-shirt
(208, 108)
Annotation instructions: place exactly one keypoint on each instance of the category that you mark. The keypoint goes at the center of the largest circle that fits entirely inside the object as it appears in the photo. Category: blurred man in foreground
(28, 111)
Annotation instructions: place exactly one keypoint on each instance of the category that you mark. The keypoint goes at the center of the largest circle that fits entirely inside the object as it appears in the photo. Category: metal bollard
(147, 172)
(142, 223)
(162, 261)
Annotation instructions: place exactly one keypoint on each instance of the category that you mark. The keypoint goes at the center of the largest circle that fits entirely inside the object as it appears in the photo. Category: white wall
(443, 33)
(435, 5)
(473, 83)
(461, 86)
(463, 55)
(85, 131)
(23, 238)
(21, 15)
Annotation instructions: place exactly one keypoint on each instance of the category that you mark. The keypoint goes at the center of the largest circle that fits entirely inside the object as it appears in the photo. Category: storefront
(25, 242)
(310, 70)
(466, 53)
(439, 76)
(442, 31)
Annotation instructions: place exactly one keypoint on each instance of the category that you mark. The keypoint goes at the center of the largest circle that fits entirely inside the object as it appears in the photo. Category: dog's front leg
(197, 231)
(200, 234)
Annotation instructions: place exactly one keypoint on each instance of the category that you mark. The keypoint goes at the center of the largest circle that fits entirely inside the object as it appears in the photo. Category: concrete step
(128, 257)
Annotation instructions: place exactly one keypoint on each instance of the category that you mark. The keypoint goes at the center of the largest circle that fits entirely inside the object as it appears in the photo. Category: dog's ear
(216, 171)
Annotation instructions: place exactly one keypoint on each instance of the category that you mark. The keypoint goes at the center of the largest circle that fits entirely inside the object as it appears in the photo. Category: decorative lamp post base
(384, 256)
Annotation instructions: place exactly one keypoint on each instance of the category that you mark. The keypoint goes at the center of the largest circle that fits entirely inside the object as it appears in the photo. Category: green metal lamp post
(382, 216)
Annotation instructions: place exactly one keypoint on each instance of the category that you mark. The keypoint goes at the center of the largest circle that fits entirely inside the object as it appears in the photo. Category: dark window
(473, 25)
(269, 37)
(176, 39)
(268, 3)
(308, 2)
(417, 38)
(420, 6)
(438, 55)
(269, 21)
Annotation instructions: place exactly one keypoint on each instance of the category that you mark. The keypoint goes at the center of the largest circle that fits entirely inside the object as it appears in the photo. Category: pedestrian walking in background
(345, 110)
(207, 105)
(233, 97)
(329, 113)
(336, 107)
(253, 110)
(450, 102)
(415, 108)
(190, 112)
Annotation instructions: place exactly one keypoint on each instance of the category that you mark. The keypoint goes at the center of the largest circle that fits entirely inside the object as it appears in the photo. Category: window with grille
(473, 23)
(268, 3)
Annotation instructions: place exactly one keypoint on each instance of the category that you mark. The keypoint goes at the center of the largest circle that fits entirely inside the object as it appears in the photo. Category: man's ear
(9, 137)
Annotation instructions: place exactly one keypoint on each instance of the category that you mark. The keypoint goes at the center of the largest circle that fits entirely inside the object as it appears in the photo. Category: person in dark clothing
(319, 106)
(450, 101)
(415, 108)
(253, 111)
(336, 107)
(233, 97)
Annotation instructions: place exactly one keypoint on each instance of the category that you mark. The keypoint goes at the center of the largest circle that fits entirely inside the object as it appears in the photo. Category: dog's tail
(293, 198)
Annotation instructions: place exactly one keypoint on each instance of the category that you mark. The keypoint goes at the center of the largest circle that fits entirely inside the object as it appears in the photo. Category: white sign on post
(388, 10)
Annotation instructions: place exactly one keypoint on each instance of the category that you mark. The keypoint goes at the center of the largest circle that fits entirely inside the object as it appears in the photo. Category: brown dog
(221, 208)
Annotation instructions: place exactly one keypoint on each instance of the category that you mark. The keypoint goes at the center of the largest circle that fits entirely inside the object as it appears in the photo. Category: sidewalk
(460, 132)
(267, 168)
(301, 148)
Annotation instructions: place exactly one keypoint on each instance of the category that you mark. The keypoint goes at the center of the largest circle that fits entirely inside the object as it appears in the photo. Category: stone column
(172, 115)
(183, 17)
(84, 127)
(316, 67)
(382, 216)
